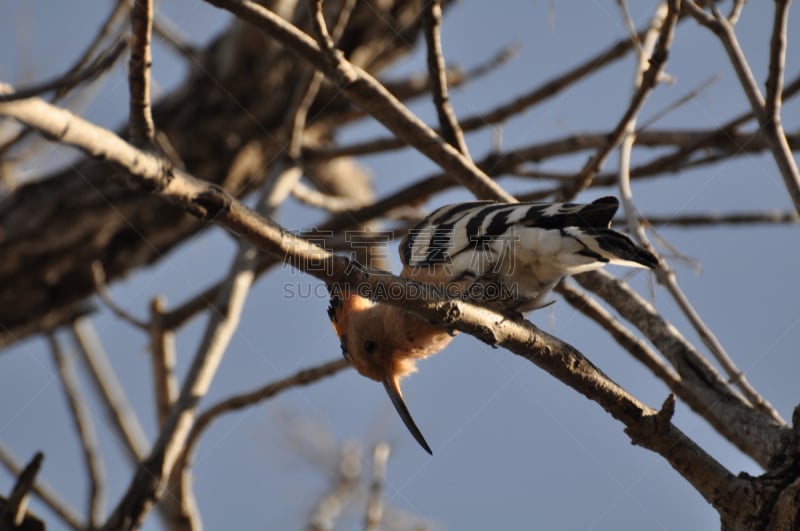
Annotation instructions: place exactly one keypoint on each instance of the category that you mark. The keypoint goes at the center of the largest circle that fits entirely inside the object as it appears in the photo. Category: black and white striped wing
(549, 239)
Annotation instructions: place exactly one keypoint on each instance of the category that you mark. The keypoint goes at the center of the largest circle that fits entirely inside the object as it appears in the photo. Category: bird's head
(372, 341)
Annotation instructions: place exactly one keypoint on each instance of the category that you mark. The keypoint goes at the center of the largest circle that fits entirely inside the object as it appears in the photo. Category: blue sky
(513, 448)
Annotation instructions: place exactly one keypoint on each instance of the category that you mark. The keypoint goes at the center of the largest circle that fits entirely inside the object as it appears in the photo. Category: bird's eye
(369, 346)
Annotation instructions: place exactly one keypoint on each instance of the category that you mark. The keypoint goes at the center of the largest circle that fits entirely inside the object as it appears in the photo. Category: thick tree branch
(707, 393)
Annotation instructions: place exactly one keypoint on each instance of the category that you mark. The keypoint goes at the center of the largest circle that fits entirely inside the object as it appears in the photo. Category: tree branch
(45, 492)
(365, 91)
(252, 398)
(497, 115)
(448, 123)
(162, 351)
(86, 432)
(708, 394)
(122, 417)
(374, 516)
(141, 125)
(649, 79)
(13, 513)
(769, 121)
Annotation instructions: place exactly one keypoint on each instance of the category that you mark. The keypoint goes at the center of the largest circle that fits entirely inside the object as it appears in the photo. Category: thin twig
(70, 80)
(345, 483)
(628, 22)
(99, 277)
(736, 11)
(122, 417)
(162, 350)
(626, 339)
(140, 120)
(626, 145)
(448, 123)
(380, 456)
(323, 201)
(65, 87)
(171, 34)
(774, 86)
(16, 505)
(649, 79)
(44, 491)
(85, 429)
(736, 218)
(502, 112)
(769, 121)
(666, 277)
(253, 398)
(689, 96)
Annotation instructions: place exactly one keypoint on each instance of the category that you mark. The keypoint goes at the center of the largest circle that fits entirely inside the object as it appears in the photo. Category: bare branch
(380, 456)
(752, 432)
(317, 199)
(62, 85)
(448, 123)
(364, 90)
(769, 121)
(162, 350)
(86, 432)
(507, 110)
(119, 311)
(736, 218)
(636, 347)
(140, 123)
(122, 417)
(255, 397)
(44, 491)
(16, 505)
(71, 79)
(342, 491)
(649, 79)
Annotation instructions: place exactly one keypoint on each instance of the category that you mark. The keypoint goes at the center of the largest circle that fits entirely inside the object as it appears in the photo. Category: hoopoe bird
(507, 256)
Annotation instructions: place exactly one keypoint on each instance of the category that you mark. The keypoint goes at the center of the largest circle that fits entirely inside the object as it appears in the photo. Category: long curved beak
(392, 387)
